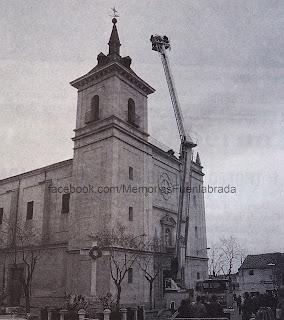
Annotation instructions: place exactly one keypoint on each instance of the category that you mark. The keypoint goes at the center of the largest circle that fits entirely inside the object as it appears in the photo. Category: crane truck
(161, 44)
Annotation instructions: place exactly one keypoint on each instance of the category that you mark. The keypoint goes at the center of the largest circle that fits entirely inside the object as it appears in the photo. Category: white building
(261, 273)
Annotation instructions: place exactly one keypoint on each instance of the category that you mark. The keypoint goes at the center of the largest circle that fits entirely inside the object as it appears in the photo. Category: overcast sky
(228, 61)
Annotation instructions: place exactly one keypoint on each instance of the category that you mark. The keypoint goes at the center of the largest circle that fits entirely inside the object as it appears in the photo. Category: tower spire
(114, 43)
(198, 159)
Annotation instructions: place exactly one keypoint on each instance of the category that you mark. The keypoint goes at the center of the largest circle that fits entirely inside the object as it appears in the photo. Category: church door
(15, 285)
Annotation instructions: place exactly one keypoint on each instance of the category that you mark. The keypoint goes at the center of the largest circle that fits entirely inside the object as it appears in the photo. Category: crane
(161, 44)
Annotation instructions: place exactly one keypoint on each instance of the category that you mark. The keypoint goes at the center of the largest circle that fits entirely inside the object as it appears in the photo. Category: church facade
(116, 177)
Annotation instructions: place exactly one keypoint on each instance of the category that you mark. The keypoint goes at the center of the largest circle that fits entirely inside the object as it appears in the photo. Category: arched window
(95, 108)
(131, 111)
(168, 237)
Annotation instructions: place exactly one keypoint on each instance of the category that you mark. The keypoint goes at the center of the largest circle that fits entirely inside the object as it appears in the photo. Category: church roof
(263, 261)
(40, 170)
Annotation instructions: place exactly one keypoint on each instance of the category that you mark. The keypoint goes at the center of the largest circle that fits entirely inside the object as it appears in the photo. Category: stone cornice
(197, 258)
(103, 124)
(115, 122)
(199, 172)
(122, 249)
(10, 249)
(112, 68)
(164, 209)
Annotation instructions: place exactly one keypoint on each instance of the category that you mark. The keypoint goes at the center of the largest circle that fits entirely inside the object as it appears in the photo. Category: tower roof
(114, 51)
(112, 63)
(114, 43)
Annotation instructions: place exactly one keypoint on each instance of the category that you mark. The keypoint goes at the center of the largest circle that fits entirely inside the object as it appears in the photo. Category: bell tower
(112, 93)
(111, 119)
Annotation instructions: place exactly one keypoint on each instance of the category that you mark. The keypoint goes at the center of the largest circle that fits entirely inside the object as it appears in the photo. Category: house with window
(103, 185)
(261, 273)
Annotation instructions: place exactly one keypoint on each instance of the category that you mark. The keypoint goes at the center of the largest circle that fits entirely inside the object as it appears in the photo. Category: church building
(117, 177)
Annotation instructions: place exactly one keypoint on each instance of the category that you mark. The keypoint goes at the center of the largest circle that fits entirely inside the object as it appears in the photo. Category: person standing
(239, 304)
(185, 309)
(255, 302)
(214, 310)
(246, 307)
(280, 305)
(199, 309)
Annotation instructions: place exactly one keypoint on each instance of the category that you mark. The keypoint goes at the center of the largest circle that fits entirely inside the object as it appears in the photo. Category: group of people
(200, 308)
(251, 304)
(268, 306)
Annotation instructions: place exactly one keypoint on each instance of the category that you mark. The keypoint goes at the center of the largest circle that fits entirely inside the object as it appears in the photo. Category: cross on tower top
(114, 42)
(115, 13)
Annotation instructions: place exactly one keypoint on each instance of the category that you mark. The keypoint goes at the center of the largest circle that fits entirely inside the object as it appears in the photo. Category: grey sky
(228, 61)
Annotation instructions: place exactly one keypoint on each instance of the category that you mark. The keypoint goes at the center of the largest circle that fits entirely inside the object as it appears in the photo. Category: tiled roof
(263, 261)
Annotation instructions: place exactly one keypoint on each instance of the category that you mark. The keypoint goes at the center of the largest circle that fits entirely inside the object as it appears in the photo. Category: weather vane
(115, 13)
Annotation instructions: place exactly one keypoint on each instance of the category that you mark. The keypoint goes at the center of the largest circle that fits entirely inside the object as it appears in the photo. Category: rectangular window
(65, 203)
(30, 210)
(130, 173)
(130, 275)
(251, 272)
(198, 275)
(1, 215)
(194, 201)
(196, 232)
(130, 213)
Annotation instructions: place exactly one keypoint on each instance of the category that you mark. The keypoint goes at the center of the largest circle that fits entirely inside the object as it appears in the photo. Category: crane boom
(173, 94)
(161, 44)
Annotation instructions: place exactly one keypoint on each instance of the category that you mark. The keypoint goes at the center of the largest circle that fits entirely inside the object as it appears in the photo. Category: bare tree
(29, 254)
(25, 255)
(150, 270)
(215, 260)
(232, 253)
(226, 256)
(124, 249)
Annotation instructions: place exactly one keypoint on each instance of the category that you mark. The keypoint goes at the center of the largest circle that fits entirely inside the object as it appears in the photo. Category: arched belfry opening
(95, 108)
